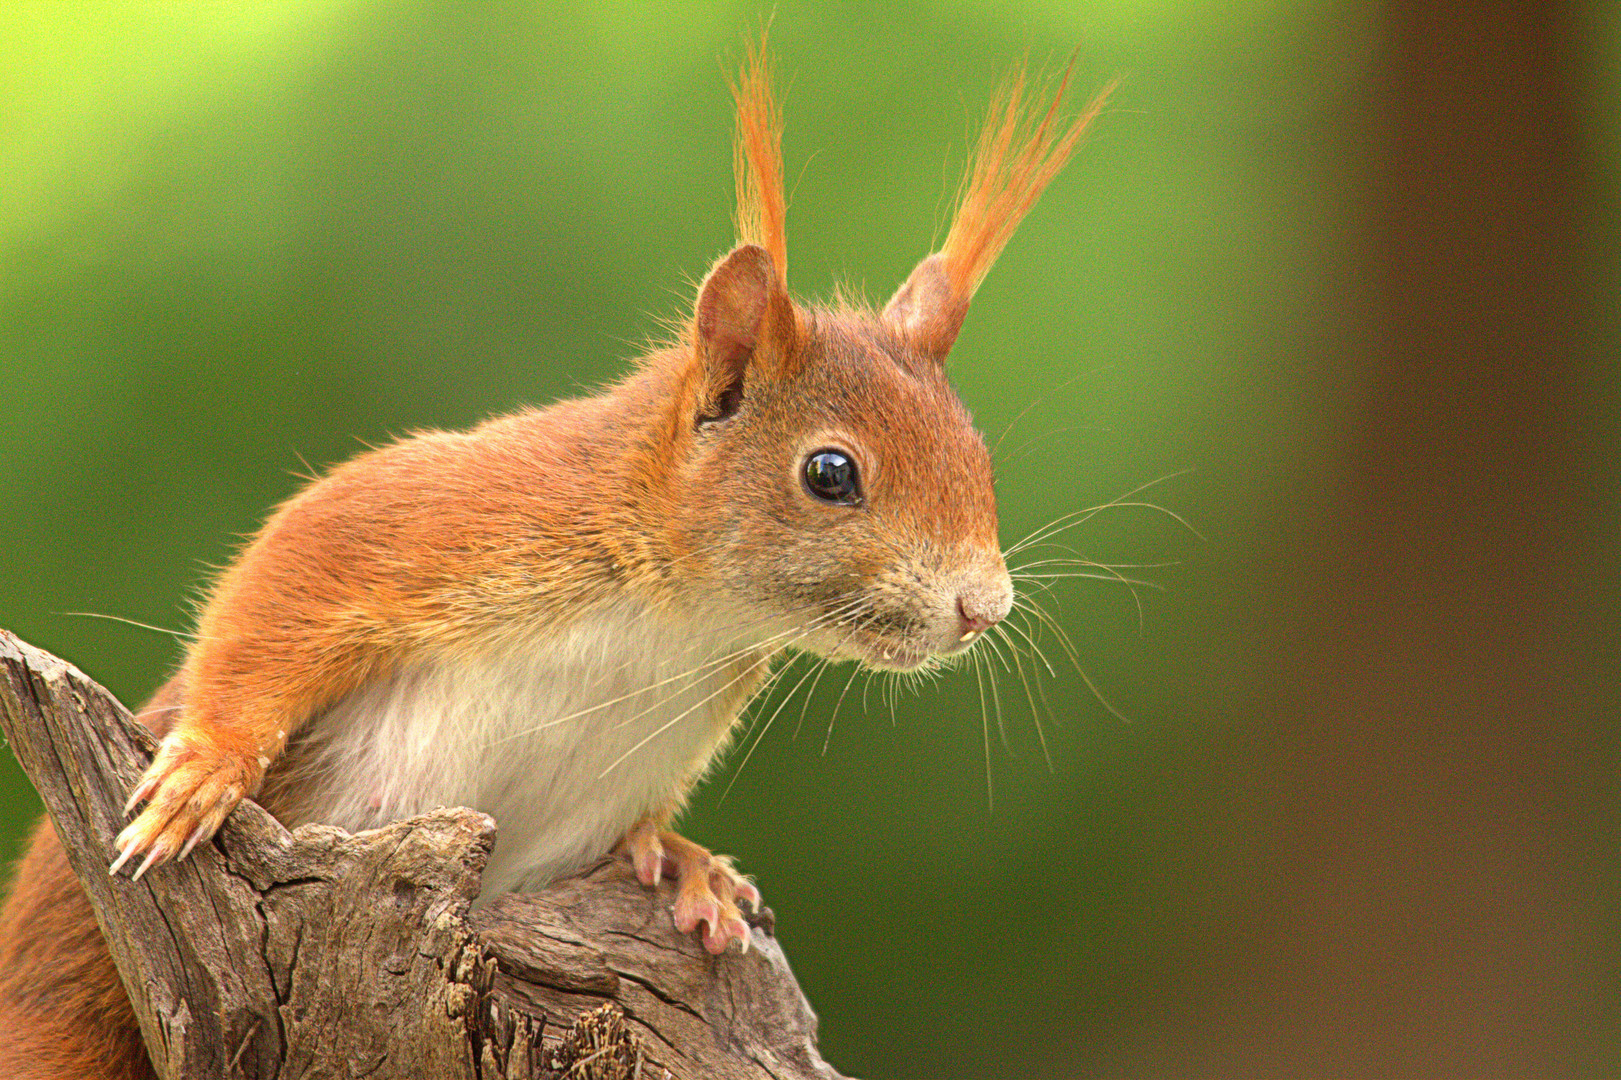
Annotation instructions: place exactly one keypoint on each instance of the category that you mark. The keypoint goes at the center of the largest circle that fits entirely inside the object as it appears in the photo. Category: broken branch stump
(315, 952)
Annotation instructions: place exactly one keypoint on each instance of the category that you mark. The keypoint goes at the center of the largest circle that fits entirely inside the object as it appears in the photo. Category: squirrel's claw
(159, 851)
(142, 792)
(708, 887)
(646, 854)
(188, 792)
(118, 863)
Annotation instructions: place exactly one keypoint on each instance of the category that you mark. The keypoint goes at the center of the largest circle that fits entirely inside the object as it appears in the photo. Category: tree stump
(315, 952)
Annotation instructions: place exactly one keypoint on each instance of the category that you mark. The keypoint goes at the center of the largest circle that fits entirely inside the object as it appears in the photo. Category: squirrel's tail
(63, 1011)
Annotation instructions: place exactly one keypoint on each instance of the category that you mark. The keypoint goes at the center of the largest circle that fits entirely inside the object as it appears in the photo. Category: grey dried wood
(318, 953)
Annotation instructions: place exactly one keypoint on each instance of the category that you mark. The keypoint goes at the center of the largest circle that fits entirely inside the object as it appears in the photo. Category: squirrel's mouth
(876, 652)
(886, 641)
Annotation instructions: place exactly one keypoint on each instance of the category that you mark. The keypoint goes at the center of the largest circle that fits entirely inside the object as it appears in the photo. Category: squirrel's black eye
(831, 475)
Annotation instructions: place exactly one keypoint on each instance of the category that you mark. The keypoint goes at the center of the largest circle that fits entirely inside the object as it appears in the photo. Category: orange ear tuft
(1018, 154)
(762, 209)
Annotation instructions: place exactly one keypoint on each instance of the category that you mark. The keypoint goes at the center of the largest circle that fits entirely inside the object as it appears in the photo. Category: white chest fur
(567, 741)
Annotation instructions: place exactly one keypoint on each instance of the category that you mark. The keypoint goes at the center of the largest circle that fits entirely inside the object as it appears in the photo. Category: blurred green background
(1353, 265)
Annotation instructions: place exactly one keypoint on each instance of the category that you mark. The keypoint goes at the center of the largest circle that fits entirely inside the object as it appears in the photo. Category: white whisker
(985, 725)
(831, 720)
(796, 633)
(767, 726)
(176, 634)
(662, 728)
(1076, 517)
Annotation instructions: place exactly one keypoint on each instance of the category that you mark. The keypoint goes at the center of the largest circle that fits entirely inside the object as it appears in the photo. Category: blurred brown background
(1355, 265)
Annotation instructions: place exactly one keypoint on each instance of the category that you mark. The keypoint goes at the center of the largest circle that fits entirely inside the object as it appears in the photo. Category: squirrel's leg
(196, 779)
(708, 887)
(244, 700)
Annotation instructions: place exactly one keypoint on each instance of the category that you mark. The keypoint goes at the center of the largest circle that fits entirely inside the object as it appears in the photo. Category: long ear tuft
(1019, 152)
(1016, 158)
(762, 209)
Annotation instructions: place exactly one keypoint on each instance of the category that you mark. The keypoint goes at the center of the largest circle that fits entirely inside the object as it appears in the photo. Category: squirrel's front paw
(708, 887)
(188, 791)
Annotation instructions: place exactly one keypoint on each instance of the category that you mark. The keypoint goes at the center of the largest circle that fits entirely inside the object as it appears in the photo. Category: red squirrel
(558, 616)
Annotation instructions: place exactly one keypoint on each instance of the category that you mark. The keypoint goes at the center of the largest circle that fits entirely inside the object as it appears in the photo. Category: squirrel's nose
(974, 617)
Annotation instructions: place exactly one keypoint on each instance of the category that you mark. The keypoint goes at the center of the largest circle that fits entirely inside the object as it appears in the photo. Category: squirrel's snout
(979, 609)
(973, 618)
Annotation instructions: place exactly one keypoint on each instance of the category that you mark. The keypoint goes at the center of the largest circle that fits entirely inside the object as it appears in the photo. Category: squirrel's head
(843, 486)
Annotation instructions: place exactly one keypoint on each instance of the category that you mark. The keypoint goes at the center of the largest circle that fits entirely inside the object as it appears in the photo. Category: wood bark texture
(318, 953)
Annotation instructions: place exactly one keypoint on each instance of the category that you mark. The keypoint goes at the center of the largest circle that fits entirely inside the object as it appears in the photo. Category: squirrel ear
(926, 310)
(736, 307)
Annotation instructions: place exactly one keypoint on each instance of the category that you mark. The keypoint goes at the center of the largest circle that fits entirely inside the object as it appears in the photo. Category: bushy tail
(63, 1011)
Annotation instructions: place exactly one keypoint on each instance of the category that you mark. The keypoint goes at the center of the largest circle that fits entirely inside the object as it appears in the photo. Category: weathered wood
(321, 953)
